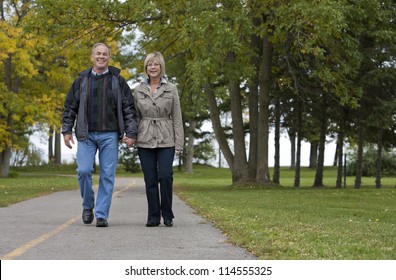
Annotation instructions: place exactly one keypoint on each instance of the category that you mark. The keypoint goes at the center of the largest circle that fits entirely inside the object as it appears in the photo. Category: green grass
(276, 222)
(306, 223)
(14, 190)
(29, 182)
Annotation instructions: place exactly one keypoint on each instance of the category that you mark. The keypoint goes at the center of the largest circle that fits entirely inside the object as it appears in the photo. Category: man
(101, 107)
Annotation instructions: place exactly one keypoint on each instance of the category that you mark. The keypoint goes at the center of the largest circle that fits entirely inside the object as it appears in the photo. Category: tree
(70, 29)
(377, 75)
(128, 158)
(216, 63)
(236, 57)
(321, 56)
(22, 99)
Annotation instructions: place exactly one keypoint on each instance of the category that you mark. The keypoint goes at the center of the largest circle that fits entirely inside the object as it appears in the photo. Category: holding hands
(129, 141)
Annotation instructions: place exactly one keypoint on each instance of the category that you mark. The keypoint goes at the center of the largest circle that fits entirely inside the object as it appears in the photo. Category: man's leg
(86, 151)
(108, 160)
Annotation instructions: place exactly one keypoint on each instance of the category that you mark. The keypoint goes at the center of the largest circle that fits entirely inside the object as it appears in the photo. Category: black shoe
(168, 223)
(100, 222)
(151, 224)
(87, 216)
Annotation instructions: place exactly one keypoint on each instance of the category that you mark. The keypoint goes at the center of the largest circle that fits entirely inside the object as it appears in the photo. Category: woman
(160, 135)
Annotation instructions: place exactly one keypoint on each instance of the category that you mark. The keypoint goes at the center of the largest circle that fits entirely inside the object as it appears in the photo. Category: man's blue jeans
(157, 166)
(107, 145)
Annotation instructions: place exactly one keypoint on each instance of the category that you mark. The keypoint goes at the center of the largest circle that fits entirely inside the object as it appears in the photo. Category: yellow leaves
(5, 134)
(126, 74)
(25, 66)
(17, 45)
(8, 39)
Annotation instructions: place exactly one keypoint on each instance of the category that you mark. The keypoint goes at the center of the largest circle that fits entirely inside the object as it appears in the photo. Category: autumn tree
(70, 28)
(23, 100)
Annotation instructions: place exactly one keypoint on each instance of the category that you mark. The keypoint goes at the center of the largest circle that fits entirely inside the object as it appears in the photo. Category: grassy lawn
(14, 190)
(305, 223)
(277, 222)
(29, 182)
(36, 181)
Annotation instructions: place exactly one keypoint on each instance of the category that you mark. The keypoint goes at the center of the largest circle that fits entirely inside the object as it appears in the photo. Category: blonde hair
(99, 44)
(157, 56)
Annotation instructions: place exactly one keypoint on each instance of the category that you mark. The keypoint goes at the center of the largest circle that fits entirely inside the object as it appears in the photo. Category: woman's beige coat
(159, 117)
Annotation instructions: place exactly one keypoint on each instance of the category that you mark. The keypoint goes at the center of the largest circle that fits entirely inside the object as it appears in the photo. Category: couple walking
(102, 110)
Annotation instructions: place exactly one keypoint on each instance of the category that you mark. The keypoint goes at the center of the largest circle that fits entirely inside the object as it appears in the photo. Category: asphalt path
(50, 228)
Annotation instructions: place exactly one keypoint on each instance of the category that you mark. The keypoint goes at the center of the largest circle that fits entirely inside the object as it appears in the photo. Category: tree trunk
(336, 156)
(190, 146)
(58, 154)
(6, 152)
(276, 178)
(313, 154)
(253, 131)
(379, 158)
(50, 146)
(256, 45)
(299, 139)
(220, 165)
(340, 153)
(322, 143)
(359, 161)
(292, 137)
(263, 174)
(240, 171)
(5, 158)
(217, 128)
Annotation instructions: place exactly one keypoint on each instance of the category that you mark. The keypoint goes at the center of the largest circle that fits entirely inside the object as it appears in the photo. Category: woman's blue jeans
(107, 145)
(157, 166)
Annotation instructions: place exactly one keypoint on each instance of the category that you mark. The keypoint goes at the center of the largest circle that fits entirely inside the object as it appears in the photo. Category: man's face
(100, 58)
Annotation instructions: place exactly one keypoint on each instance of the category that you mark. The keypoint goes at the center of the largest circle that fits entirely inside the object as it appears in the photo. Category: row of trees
(316, 69)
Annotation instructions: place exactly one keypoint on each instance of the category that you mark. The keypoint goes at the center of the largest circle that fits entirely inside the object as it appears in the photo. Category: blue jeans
(107, 145)
(157, 166)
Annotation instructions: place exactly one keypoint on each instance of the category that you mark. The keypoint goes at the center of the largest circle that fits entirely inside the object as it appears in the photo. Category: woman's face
(153, 69)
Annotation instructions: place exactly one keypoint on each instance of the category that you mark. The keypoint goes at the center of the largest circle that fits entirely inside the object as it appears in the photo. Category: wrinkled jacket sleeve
(128, 109)
(70, 108)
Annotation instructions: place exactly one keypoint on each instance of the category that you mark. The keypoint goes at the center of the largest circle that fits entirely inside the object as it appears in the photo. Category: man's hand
(129, 141)
(68, 138)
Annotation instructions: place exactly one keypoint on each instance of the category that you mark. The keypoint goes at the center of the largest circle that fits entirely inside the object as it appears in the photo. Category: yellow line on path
(33, 243)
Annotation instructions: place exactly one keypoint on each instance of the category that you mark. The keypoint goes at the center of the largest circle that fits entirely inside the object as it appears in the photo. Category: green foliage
(204, 152)
(317, 39)
(30, 156)
(388, 163)
(128, 158)
(33, 78)
(344, 49)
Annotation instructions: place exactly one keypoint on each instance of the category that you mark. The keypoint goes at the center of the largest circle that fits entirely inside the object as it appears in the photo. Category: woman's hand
(129, 141)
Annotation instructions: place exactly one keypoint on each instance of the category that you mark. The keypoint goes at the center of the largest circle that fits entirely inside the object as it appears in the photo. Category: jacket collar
(145, 80)
(113, 71)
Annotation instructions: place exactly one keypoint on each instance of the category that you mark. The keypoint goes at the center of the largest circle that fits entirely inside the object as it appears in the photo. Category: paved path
(50, 228)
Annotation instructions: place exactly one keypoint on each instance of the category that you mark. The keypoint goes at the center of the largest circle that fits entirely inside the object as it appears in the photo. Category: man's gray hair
(100, 44)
